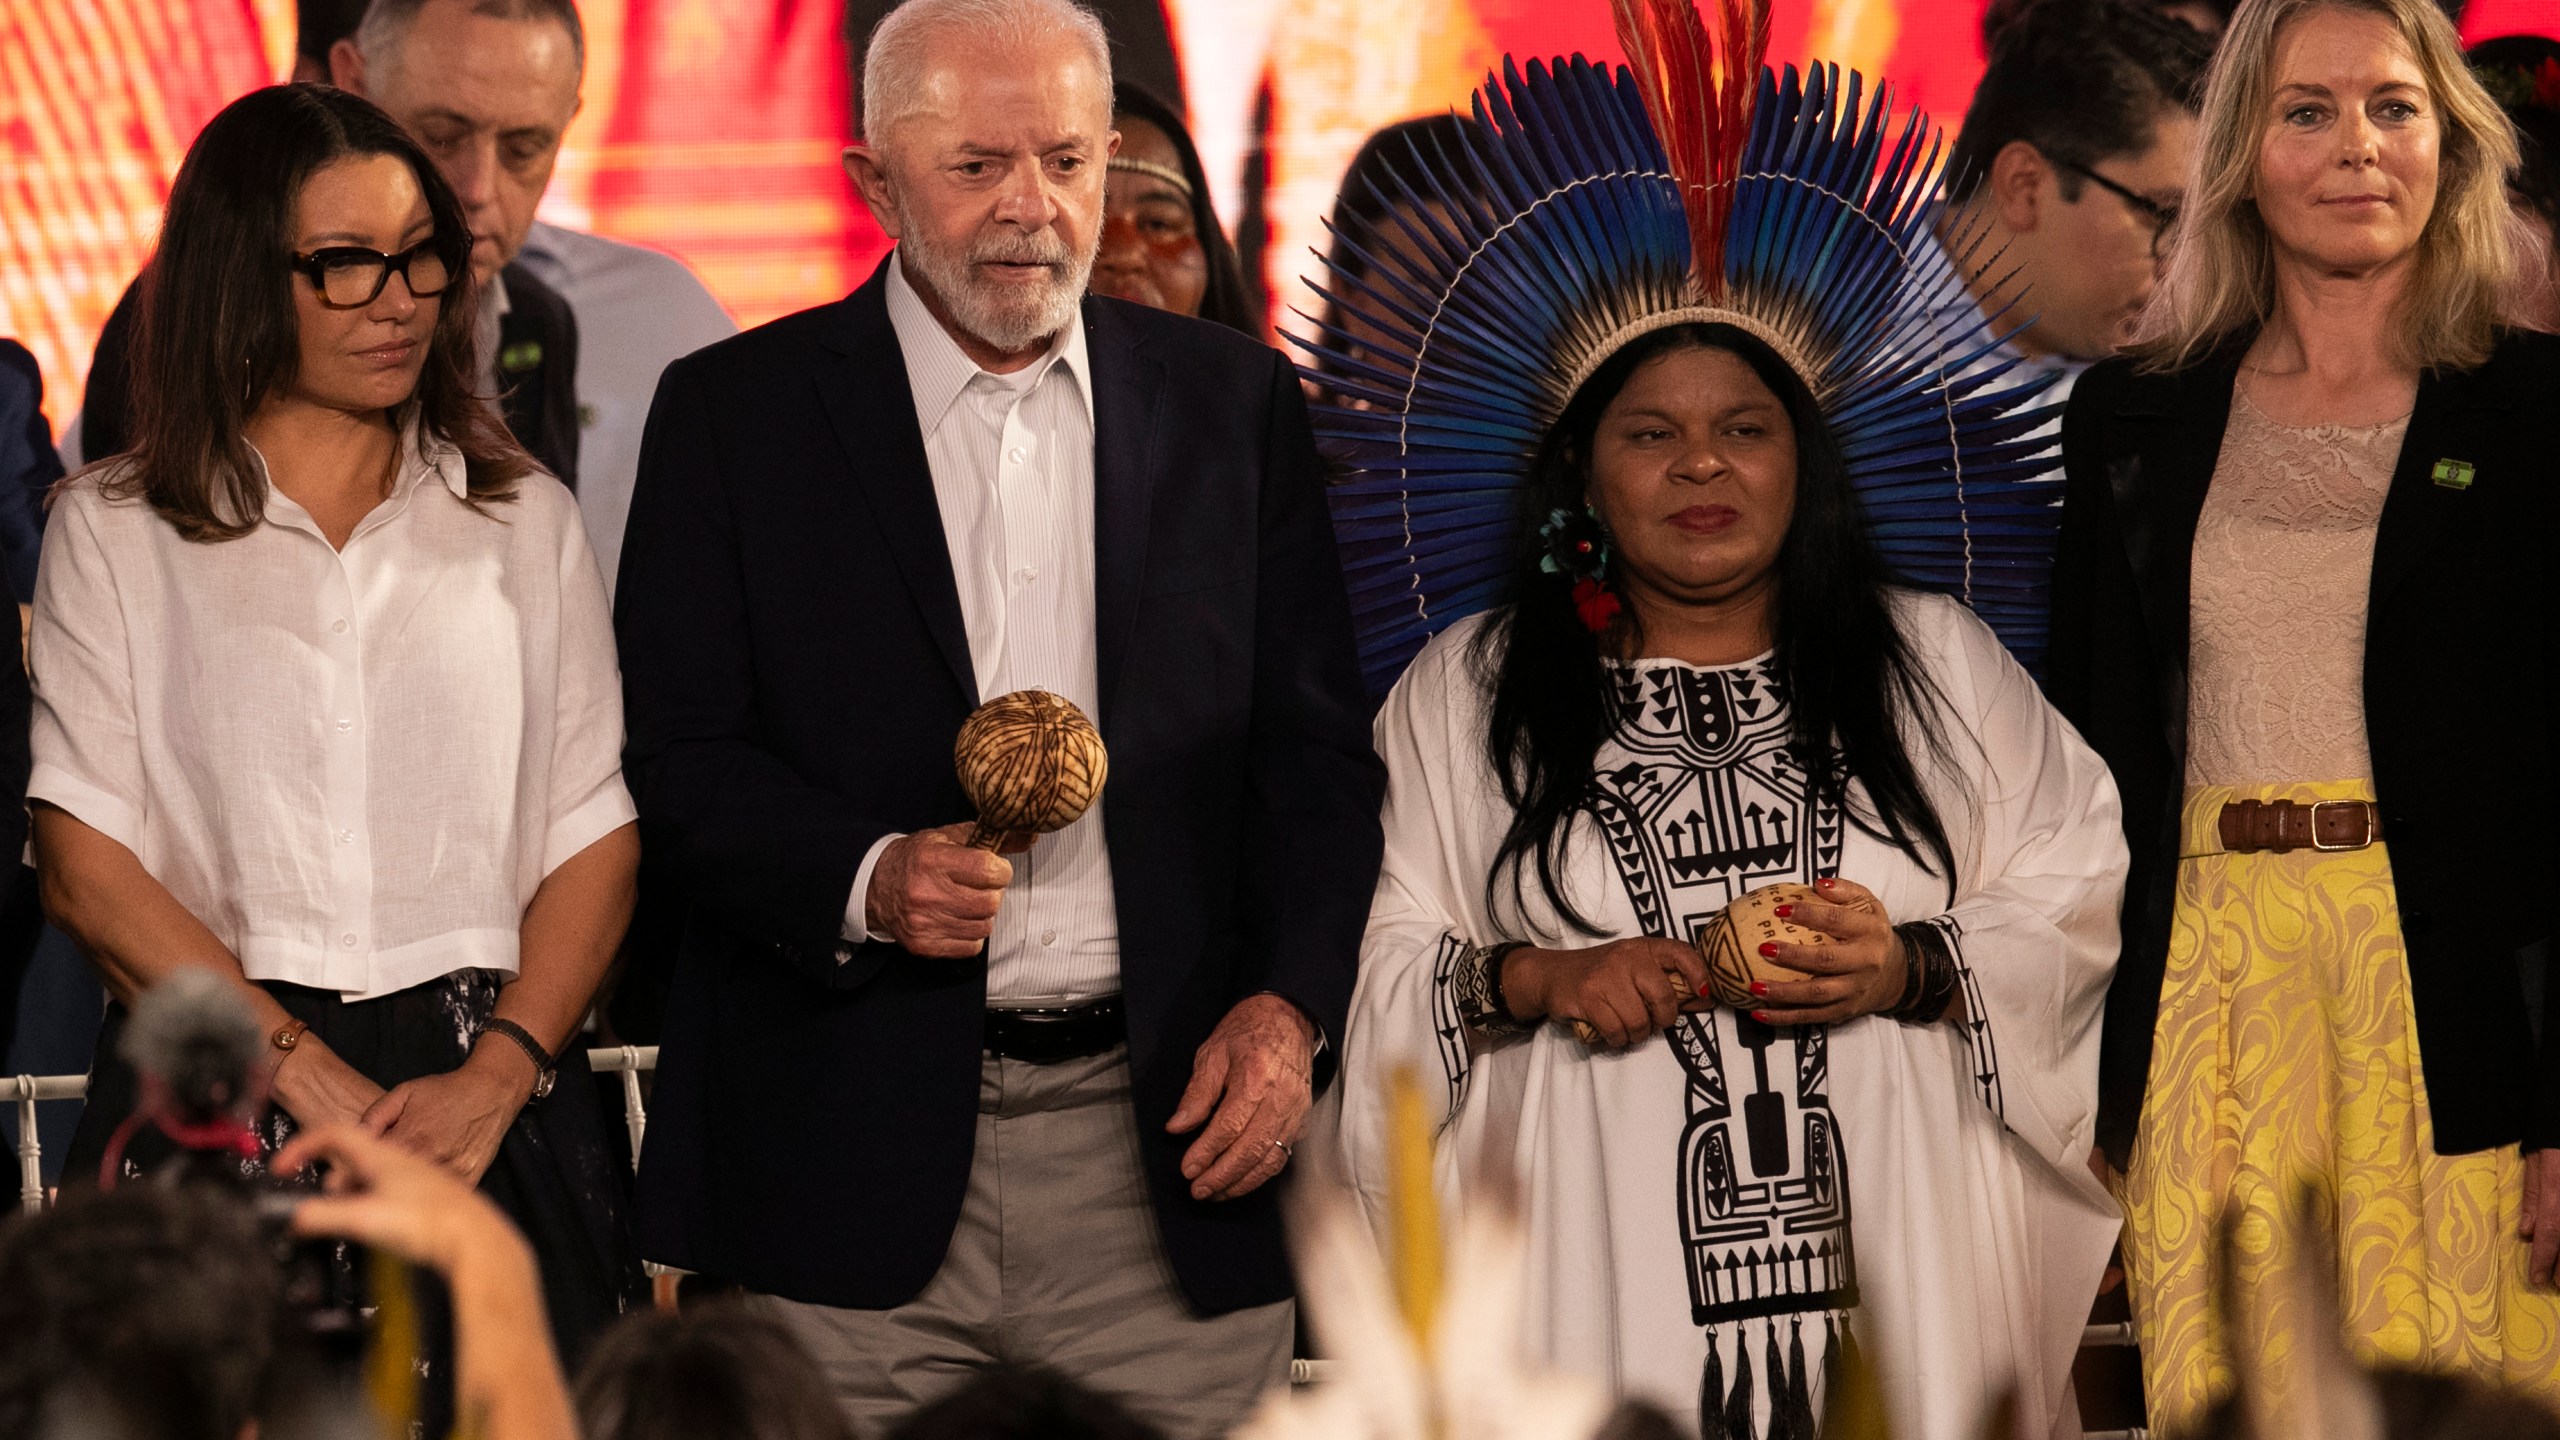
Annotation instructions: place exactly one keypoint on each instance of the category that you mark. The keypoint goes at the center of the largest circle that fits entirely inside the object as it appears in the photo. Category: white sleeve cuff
(857, 926)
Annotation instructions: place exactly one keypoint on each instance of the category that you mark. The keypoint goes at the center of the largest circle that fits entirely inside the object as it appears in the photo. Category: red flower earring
(1578, 545)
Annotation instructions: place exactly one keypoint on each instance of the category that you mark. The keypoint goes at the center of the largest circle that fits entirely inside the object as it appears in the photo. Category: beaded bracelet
(1477, 988)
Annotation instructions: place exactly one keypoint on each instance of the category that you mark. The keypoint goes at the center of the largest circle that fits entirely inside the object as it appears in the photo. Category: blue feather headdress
(1583, 210)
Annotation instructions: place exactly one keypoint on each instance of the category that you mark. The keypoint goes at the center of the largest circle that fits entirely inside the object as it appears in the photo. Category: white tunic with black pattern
(1706, 1208)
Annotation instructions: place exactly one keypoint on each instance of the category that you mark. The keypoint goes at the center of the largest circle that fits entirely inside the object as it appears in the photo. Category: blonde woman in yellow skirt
(2307, 610)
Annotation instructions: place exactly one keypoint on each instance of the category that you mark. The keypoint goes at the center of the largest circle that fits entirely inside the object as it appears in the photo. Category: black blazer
(796, 670)
(2461, 694)
(539, 401)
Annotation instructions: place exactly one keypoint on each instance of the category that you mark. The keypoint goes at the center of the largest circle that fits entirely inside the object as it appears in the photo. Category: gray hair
(386, 23)
(893, 61)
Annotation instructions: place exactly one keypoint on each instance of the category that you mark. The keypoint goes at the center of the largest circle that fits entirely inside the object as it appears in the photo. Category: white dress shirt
(638, 310)
(355, 766)
(1012, 463)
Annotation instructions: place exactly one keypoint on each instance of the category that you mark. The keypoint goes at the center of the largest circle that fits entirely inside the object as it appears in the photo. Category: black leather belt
(1045, 1037)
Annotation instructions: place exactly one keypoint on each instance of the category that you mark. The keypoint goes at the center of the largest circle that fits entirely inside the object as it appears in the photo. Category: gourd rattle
(1031, 763)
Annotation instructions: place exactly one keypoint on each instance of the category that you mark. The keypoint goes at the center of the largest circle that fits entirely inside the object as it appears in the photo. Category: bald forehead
(972, 81)
(440, 37)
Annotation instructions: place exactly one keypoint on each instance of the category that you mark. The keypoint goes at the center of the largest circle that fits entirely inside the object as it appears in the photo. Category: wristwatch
(544, 1071)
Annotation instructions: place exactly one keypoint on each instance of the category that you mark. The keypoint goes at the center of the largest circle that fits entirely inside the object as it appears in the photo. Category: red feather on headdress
(1701, 109)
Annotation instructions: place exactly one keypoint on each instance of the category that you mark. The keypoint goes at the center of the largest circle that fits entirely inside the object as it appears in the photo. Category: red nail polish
(1758, 989)
(1769, 948)
(1826, 883)
(1783, 911)
(1761, 1015)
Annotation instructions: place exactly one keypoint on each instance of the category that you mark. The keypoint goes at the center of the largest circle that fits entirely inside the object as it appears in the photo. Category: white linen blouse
(354, 766)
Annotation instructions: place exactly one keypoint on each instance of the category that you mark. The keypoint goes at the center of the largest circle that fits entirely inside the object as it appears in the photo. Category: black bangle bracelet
(544, 1069)
(1493, 962)
(1930, 989)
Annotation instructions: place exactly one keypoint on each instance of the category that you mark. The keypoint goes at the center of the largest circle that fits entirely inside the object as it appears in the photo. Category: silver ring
(1285, 1149)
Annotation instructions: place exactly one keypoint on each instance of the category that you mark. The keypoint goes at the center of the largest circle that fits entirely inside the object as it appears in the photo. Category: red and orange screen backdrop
(711, 127)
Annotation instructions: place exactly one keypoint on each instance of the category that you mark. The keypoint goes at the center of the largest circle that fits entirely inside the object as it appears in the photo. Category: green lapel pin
(2454, 474)
(522, 356)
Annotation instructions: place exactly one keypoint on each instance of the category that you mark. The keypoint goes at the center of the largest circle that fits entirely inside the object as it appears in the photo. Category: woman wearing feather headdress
(1659, 493)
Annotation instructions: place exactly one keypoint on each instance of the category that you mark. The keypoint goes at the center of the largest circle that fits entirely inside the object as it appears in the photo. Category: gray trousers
(1056, 1262)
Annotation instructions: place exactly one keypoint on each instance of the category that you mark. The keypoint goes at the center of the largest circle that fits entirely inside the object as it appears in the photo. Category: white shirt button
(1048, 937)
(1027, 574)
(348, 940)
(346, 837)
(345, 725)
(1015, 454)
(339, 625)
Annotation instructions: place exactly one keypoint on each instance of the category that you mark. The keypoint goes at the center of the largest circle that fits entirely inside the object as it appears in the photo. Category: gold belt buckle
(2355, 845)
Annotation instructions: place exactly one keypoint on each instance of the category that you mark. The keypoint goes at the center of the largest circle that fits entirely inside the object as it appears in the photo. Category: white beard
(1002, 318)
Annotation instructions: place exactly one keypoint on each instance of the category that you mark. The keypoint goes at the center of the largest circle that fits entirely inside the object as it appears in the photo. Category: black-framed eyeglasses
(2163, 218)
(349, 277)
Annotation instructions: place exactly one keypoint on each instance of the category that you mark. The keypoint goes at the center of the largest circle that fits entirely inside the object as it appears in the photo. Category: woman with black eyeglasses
(326, 699)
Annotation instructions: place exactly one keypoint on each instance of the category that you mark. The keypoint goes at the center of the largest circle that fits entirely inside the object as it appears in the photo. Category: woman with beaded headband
(1660, 492)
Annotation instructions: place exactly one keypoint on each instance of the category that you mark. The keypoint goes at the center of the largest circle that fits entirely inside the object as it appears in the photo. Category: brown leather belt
(2249, 826)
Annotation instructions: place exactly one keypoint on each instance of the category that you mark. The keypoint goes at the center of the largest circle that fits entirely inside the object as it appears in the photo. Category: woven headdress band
(1154, 171)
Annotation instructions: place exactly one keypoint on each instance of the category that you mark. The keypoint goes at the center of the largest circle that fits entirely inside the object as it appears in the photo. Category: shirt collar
(938, 369)
(420, 456)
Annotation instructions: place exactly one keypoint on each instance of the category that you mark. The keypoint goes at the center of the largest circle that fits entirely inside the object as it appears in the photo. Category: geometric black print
(1699, 799)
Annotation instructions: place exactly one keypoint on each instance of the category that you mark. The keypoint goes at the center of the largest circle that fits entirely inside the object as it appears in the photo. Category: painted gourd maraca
(1731, 942)
(1031, 762)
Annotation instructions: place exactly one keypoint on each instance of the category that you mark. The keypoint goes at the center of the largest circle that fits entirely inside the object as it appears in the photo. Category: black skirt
(554, 1174)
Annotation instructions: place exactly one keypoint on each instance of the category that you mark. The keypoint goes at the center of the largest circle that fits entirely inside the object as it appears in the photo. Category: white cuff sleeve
(857, 927)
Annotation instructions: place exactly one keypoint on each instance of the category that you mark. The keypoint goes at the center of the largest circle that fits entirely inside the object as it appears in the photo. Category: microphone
(194, 1043)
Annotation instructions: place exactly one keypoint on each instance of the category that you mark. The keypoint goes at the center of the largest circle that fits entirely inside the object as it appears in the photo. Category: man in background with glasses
(2072, 161)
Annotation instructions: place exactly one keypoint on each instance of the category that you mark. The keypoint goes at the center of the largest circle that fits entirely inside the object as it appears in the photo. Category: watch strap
(545, 1069)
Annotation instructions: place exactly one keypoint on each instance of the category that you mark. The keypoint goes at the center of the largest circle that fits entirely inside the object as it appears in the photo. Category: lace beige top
(2283, 566)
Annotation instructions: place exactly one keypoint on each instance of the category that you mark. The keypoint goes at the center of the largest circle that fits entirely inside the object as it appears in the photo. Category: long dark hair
(218, 333)
(1224, 302)
(1855, 691)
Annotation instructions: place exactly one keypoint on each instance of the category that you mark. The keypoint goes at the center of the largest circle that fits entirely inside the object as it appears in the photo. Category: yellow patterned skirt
(2285, 1057)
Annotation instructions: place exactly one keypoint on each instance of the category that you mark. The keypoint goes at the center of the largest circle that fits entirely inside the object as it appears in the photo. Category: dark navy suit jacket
(796, 669)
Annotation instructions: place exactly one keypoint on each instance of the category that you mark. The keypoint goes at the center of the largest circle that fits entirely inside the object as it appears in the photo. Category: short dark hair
(157, 1303)
(218, 331)
(385, 20)
(2080, 80)
(1011, 1402)
(715, 1372)
(319, 24)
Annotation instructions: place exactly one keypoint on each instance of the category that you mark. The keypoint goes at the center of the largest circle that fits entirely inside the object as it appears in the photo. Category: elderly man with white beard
(936, 1107)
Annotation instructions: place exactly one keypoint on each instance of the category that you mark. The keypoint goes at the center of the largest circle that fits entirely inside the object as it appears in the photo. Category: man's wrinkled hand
(935, 895)
(1252, 1082)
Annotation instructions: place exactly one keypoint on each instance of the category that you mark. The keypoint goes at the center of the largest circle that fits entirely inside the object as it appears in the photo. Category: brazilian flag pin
(525, 354)
(2454, 474)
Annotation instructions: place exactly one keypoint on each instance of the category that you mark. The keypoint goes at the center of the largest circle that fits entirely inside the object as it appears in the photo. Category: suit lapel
(2416, 507)
(1128, 406)
(2159, 496)
(874, 414)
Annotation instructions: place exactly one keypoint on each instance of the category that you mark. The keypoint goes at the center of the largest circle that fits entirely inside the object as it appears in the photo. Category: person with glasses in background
(2070, 167)
(326, 698)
